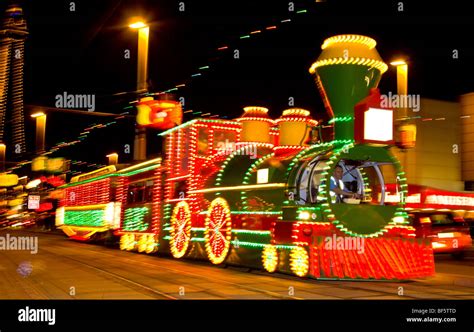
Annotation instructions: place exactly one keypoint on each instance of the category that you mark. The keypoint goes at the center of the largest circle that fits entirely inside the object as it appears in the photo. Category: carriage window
(316, 180)
(203, 141)
(140, 192)
(224, 140)
(302, 195)
(309, 181)
(184, 154)
(370, 181)
(180, 189)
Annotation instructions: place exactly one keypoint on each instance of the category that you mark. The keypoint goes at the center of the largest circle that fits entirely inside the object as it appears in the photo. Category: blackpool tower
(13, 32)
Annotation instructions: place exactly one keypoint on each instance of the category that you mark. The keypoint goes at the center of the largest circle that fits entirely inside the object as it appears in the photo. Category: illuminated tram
(258, 192)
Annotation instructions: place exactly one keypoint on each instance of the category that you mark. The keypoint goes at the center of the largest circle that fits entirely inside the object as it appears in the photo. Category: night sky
(82, 52)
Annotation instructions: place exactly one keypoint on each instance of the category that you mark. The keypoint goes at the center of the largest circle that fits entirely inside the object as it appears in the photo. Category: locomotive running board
(85, 232)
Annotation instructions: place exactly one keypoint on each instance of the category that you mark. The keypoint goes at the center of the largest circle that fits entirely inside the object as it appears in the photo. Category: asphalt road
(64, 269)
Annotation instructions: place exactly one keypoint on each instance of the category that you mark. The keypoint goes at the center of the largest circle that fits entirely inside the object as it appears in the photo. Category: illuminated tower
(13, 33)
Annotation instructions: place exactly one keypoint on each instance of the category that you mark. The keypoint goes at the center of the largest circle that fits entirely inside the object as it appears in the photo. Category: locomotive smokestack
(256, 125)
(348, 67)
(295, 127)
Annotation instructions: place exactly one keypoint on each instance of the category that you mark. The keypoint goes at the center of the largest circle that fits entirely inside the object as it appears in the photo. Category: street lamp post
(113, 158)
(40, 131)
(402, 84)
(2, 157)
(406, 131)
(139, 151)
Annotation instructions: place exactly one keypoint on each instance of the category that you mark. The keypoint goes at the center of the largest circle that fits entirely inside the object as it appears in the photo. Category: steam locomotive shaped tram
(258, 192)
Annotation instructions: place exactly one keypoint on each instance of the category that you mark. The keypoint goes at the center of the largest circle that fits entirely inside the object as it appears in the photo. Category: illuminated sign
(38, 164)
(53, 165)
(8, 180)
(378, 125)
(160, 114)
(101, 171)
(415, 198)
(15, 202)
(449, 200)
(262, 175)
(55, 181)
(33, 202)
(33, 184)
(373, 124)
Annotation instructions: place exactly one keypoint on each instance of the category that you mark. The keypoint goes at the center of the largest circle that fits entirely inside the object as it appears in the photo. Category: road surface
(64, 269)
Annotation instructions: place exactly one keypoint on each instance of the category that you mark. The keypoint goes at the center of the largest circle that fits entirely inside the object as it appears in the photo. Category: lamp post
(402, 84)
(2, 157)
(139, 151)
(406, 131)
(113, 158)
(40, 131)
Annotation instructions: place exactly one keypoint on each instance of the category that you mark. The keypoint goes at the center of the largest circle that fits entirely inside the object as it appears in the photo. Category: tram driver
(337, 187)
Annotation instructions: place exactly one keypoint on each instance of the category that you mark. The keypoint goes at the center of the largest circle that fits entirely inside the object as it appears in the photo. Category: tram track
(392, 285)
(149, 290)
(144, 289)
(149, 272)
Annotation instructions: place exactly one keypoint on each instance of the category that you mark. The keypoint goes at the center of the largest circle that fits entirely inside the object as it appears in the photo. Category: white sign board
(262, 175)
(33, 202)
(378, 124)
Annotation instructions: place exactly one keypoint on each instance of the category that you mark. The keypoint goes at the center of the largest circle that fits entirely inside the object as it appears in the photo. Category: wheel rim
(180, 229)
(123, 242)
(151, 246)
(299, 261)
(270, 258)
(142, 243)
(131, 243)
(126, 242)
(218, 231)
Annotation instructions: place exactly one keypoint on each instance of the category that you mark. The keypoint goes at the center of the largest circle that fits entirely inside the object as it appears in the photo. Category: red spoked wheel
(218, 227)
(180, 233)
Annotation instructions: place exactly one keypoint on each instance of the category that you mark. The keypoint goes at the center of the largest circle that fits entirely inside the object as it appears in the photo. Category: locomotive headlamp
(378, 125)
(373, 124)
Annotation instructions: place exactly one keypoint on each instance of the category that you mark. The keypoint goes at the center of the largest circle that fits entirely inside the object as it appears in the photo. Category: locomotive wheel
(142, 242)
(218, 227)
(299, 261)
(180, 229)
(151, 244)
(123, 242)
(270, 258)
(127, 242)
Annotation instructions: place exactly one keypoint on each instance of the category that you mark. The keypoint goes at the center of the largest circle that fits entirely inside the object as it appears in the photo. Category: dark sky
(83, 52)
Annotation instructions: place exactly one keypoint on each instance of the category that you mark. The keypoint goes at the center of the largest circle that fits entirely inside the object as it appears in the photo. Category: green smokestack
(348, 67)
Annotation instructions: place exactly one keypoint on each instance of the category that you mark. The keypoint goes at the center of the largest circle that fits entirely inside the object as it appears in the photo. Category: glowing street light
(406, 131)
(113, 158)
(402, 82)
(139, 151)
(398, 63)
(142, 66)
(37, 114)
(3, 149)
(40, 131)
(137, 25)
